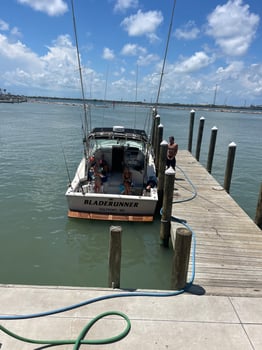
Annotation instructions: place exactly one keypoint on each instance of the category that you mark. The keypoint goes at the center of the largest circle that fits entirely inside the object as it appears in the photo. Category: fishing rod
(67, 170)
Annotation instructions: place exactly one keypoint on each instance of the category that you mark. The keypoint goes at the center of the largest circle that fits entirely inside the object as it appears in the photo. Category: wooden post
(161, 172)
(154, 113)
(191, 128)
(181, 258)
(258, 218)
(229, 166)
(165, 224)
(211, 149)
(157, 122)
(114, 256)
(199, 138)
(160, 130)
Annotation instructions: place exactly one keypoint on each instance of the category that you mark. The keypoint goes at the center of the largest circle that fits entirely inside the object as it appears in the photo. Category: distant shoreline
(102, 103)
(105, 103)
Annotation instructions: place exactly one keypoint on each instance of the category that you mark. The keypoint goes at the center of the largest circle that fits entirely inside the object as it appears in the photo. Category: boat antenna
(80, 69)
(165, 56)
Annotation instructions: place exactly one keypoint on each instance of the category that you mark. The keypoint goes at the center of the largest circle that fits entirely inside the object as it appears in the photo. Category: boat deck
(228, 243)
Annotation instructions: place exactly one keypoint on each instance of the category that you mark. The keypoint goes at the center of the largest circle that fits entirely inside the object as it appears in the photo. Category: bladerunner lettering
(107, 203)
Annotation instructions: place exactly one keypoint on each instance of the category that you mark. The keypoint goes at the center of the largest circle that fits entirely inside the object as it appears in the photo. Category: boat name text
(111, 203)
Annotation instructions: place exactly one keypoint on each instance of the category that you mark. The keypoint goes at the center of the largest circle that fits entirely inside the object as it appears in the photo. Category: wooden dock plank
(228, 243)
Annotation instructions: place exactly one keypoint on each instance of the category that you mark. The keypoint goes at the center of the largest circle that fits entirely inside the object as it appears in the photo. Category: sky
(214, 53)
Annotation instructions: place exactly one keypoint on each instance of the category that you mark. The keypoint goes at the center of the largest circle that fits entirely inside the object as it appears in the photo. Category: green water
(41, 245)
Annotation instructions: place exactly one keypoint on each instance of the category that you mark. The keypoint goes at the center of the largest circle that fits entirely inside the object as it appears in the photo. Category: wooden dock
(228, 243)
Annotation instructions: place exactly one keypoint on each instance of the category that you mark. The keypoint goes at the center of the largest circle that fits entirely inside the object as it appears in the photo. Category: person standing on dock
(172, 149)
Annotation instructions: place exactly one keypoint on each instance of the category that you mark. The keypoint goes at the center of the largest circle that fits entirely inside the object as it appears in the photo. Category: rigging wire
(165, 56)
(136, 96)
(80, 70)
(105, 95)
(67, 169)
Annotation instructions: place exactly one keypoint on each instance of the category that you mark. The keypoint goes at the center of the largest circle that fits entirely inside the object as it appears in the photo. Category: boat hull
(119, 206)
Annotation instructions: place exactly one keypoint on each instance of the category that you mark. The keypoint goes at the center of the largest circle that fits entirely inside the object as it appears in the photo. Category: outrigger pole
(164, 62)
(80, 72)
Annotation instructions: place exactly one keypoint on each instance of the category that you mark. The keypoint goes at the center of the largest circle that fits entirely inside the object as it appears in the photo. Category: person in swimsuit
(127, 180)
(172, 149)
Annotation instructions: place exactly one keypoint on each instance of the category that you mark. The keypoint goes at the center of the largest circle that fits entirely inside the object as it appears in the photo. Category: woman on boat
(127, 180)
(97, 177)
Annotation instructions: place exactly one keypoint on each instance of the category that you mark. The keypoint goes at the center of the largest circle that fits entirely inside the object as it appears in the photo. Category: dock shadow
(195, 289)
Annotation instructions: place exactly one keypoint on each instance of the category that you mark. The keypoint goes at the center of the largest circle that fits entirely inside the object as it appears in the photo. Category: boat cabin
(110, 150)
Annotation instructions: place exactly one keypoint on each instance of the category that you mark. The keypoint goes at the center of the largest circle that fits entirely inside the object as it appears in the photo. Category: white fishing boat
(116, 179)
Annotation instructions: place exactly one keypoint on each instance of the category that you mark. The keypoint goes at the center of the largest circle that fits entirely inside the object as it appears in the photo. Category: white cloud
(62, 53)
(233, 27)
(132, 50)
(147, 60)
(108, 54)
(3, 25)
(55, 71)
(123, 5)
(51, 7)
(188, 32)
(16, 55)
(247, 78)
(142, 23)
(16, 32)
(120, 72)
(233, 71)
(194, 63)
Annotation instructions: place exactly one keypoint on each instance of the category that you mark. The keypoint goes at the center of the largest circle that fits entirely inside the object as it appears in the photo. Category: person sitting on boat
(103, 165)
(127, 180)
(151, 183)
(98, 180)
(91, 166)
(172, 149)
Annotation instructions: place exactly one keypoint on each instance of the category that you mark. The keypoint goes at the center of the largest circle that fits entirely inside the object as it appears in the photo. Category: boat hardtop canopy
(119, 132)
(109, 137)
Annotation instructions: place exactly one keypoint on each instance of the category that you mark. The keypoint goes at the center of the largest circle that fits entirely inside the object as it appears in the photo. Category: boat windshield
(95, 144)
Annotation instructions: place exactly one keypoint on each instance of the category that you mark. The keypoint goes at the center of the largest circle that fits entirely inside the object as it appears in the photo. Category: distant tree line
(11, 98)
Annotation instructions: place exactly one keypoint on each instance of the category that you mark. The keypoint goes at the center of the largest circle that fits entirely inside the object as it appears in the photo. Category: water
(40, 245)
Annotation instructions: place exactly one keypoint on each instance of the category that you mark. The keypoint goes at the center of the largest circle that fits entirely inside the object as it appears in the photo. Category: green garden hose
(80, 339)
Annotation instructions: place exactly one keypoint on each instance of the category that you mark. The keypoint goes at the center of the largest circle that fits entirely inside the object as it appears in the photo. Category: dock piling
(229, 166)
(191, 128)
(154, 114)
(115, 256)
(199, 137)
(211, 148)
(154, 138)
(258, 218)
(161, 171)
(160, 131)
(181, 258)
(165, 224)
